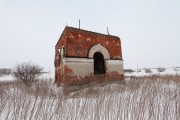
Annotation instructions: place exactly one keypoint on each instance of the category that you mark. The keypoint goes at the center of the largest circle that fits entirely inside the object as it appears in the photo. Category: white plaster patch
(88, 39)
(59, 50)
(114, 66)
(117, 44)
(83, 60)
(80, 69)
(107, 43)
(71, 36)
(62, 52)
(79, 35)
(80, 66)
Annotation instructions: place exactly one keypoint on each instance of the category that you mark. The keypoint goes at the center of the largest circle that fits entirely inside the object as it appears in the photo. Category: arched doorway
(99, 65)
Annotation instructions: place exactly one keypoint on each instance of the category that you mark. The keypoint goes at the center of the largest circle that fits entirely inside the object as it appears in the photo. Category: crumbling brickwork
(74, 64)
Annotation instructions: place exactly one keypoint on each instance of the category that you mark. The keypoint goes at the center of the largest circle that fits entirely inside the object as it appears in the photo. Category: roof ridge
(90, 31)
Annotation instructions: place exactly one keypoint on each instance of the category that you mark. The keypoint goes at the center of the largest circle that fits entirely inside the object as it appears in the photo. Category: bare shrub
(176, 69)
(161, 69)
(27, 72)
(147, 70)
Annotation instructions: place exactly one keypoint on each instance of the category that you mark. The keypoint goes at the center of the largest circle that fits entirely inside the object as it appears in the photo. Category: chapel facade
(83, 56)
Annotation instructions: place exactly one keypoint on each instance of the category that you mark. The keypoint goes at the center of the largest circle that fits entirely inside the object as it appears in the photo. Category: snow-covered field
(141, 72)
(138, 98)
(6, 78)
(154, 71)
(10, 77)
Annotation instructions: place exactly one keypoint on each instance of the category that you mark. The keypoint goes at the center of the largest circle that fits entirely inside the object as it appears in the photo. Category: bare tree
(27, 72)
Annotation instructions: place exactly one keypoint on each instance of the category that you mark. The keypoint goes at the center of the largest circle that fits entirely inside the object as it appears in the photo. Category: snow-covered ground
(10, 77)
(137, 98)
(143, 98)
(141, 72)
(154, 71)
(6, 77)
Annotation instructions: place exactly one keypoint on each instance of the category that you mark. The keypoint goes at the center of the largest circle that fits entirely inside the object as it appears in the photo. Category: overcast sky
(149, 29)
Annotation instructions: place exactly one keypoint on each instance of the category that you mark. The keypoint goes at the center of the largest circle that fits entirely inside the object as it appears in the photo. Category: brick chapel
(83, 56)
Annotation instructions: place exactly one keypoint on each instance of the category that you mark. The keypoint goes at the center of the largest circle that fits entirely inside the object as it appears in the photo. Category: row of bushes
(5, 71)
(147, 70)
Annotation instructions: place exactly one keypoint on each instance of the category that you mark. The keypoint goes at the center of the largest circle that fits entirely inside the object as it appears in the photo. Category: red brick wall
(71, 79)
(78, 42)
(60, 43)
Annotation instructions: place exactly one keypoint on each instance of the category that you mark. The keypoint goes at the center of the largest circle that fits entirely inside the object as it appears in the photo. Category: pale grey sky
(149, 29)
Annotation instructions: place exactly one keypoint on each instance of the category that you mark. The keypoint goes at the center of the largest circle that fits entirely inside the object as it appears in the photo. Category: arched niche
(99, 64)
(101, 49)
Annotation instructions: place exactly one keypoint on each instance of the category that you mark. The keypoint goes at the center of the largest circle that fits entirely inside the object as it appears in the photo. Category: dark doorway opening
(99, 67)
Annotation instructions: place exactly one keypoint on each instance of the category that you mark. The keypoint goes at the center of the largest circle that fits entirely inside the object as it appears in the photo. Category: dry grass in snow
(143, 98)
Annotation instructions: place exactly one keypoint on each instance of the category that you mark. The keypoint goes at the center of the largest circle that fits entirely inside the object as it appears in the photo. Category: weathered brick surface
(71, 79)
(76, 80)
(77, 44)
